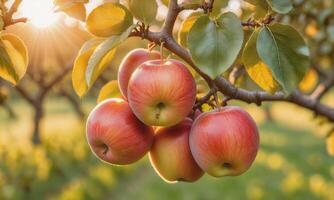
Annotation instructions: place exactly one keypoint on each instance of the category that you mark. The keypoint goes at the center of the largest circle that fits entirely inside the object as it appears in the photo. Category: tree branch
(224, 86)
(173, 12)
(55, 80)
(8, 16)
(258, 97)
(27, 96)
(323, 88)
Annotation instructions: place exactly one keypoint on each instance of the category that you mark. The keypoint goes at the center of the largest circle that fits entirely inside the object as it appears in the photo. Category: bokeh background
(292, 162)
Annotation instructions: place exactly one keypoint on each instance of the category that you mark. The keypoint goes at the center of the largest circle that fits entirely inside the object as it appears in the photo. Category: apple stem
(162, 51)
(215, 95)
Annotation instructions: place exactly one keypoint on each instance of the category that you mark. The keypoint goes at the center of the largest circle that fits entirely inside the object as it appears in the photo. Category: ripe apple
(224, 142)
(161, 93)
(130, 62)
(115, 135)
(170, 154)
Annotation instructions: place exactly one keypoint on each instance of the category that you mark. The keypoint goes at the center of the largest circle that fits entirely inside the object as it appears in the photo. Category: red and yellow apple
(130, 62)
(115, 135)
(162, 93)
(170, 154)
(224, 142)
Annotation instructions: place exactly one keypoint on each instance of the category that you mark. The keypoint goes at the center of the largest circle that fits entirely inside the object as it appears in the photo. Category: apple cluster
(158, 96)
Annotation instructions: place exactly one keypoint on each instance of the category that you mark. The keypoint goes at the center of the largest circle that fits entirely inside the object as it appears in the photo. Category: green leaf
(109, 19)
(102, 56)
(262, 9)
(281, 6)
(110, 90)
(284, 50)
(144, 10)
(186, 26)
(217, 6)
(256, 68)
(214, 45)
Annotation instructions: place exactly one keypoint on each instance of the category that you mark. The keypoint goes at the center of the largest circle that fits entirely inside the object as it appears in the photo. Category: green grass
(292, 162)
(290, 165)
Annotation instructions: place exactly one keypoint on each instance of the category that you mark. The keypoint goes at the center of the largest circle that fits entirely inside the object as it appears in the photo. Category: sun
(40, 13)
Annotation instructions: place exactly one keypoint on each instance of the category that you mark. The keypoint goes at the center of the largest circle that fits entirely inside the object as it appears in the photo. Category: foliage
(271, 45)
(214, 42)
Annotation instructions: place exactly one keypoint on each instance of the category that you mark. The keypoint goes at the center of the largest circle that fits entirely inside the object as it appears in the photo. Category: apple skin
(115, 135)
(224, 142)
(170, 154)
(162, 93)
(130, 63)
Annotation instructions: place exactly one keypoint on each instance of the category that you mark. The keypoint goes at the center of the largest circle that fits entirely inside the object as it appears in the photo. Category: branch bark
(323, 88)
(8, 16)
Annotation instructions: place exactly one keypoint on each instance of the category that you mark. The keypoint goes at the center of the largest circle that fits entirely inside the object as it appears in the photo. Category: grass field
(292, 163)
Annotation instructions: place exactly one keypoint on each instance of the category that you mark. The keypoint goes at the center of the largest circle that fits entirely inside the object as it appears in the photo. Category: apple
(170, 154)
(162, 93)
(115, 135)
(130, 62)
(224, 142)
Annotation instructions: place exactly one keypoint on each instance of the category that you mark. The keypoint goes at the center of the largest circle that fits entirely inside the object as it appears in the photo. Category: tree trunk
(36, 138)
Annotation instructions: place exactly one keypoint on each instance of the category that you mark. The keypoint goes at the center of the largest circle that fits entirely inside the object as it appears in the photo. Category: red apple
(170, 154)
(130, 62)
(115, 135)
(162, 93)
(224, 142)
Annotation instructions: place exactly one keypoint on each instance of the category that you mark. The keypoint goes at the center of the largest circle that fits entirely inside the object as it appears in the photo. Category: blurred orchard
(43, 149)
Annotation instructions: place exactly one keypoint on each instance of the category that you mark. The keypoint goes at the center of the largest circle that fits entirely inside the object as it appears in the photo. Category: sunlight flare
(40, 13)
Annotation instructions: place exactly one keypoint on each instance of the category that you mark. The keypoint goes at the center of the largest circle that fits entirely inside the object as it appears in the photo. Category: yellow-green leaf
(309, 81)
(80, 66)
(165, 2)
(110, 90)
(330, 144)
(64, 2)
(2, 23)
(186, 26)
(144, 10)
(109, 19)
(217, 7)
(77, 11)
(262, 9)
(103, 55)
(13, 58)
(256, 68)
(74, 8)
